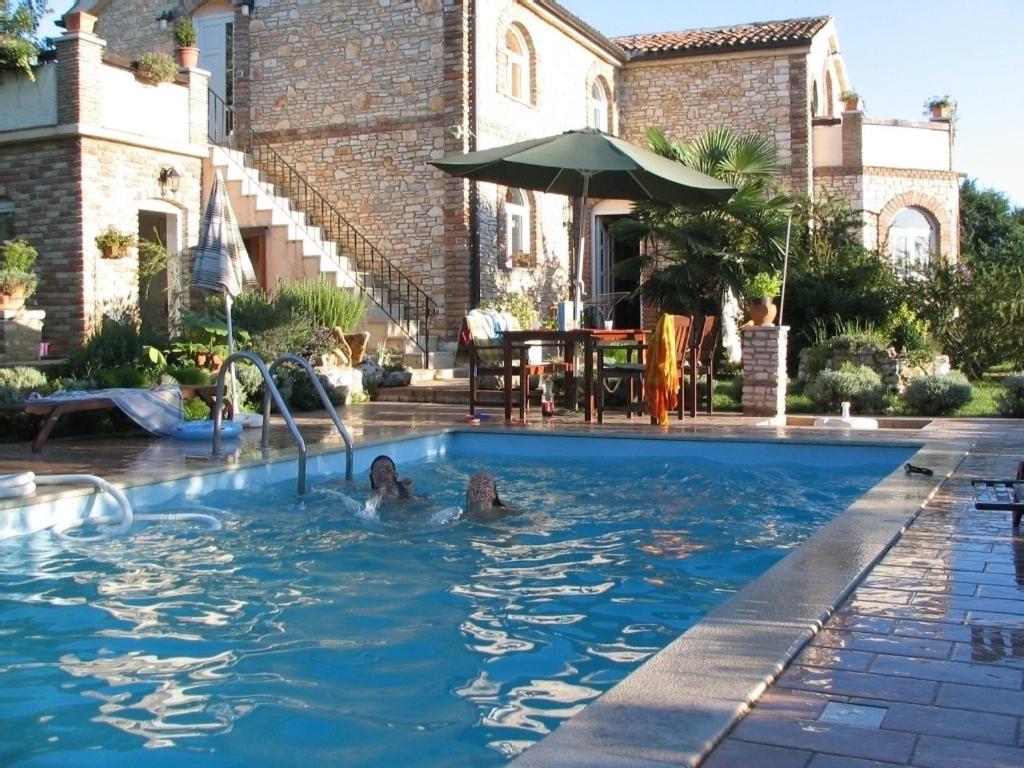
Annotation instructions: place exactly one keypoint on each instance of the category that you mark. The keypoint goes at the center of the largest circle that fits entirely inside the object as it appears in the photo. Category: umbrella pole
(231, 351)
(578, 287)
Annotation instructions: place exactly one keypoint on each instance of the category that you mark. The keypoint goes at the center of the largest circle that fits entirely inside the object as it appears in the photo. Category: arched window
(815, 101)
(830, 101)
(597, 115)
(913, 237)
(6, 219)
(517, 225)
(517, 66)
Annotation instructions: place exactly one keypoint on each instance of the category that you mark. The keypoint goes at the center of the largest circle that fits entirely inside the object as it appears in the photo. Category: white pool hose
(24, 484)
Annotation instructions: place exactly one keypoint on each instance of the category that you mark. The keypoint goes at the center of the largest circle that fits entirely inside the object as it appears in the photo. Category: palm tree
(695, 256)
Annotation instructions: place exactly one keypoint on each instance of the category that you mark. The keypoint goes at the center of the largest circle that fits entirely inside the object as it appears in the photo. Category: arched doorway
(161, 285)
(913, 238)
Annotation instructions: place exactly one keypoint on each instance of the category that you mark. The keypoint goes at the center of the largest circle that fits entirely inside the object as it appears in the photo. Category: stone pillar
(79, 78)
(764, 370)
(198, 81)
(853, 132)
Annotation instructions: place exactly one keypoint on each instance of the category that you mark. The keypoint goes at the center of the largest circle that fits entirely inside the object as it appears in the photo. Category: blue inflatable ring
(203, 430)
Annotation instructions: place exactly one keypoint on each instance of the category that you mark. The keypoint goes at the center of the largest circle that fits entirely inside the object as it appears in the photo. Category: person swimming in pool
(384, 480)
(482, 502)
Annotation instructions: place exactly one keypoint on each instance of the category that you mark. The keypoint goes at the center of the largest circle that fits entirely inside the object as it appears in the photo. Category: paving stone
(793, 703)
(839, 658)
(891, 644)
(936, 630)
(989, 605)
(827, 737)
(937, 612)
(741, 754)
(950, 722)
(938, 752)
(851, 620)
(994, 645)
(948, 671)
(915, 691)
(835, 761)
(981, 699)
(1007, 592)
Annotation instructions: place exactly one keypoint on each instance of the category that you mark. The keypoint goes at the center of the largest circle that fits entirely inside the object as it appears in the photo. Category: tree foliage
(19, 25)
(695, 255)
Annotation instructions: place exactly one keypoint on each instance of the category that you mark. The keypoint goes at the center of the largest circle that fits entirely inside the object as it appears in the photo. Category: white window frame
(516, 211)
(597, 115)
(517, 66)
(7, 209)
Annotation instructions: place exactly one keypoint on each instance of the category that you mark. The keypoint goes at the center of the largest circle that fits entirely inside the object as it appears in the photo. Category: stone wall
(131, 27)
(761, 92)
(764, 370)
(895, 371)
(563, 72)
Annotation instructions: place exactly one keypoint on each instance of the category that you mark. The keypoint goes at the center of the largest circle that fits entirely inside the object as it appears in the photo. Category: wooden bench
(52, 411)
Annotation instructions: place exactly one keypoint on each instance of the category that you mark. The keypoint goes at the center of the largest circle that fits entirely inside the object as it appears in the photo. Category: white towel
(157, 410)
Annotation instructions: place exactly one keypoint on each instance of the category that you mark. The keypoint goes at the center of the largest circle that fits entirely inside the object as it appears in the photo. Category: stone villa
(340, 106)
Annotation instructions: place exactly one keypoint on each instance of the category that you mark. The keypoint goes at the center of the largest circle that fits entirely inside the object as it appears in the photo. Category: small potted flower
(940, 107)
(759, 291)
(850, 100)
(114, 244)
(185, 37)
(155, 68)
(17, 282)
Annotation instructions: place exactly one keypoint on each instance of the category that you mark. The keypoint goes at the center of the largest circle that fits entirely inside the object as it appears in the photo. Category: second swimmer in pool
(482, 502)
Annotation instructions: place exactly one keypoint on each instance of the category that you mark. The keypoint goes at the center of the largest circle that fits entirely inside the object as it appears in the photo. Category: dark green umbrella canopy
(588, 163)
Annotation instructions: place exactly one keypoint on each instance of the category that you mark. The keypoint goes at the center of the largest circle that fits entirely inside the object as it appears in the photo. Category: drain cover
(852, 714)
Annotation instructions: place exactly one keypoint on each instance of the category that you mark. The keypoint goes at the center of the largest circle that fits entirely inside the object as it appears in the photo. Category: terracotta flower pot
(79, 21)
(762, 311)
(941, 111)
(851, 105)
(14, 300)
(188, 57)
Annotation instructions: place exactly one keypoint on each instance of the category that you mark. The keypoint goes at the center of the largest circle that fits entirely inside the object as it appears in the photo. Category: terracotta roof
(762, 34)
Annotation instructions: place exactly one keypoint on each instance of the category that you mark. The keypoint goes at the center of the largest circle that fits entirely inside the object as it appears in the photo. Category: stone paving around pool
(922, 665)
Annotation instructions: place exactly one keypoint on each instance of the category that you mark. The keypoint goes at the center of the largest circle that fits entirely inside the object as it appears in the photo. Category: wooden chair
(631, 373)
(486, 357)
(699, 361)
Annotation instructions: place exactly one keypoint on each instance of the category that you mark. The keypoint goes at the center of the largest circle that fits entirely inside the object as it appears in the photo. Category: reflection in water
(994, 643)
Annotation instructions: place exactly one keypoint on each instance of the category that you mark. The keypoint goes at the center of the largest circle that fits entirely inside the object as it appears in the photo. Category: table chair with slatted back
(699, 362)
(631, 373)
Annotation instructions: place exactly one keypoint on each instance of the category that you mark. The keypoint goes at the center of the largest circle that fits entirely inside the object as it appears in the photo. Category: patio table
(589, 338)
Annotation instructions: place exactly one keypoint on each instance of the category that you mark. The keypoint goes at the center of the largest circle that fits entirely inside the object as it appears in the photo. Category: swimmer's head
(383, 473)
(482, 493)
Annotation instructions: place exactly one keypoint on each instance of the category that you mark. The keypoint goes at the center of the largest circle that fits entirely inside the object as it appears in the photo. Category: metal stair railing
(324, 400)
(408, 305)
(270, 390)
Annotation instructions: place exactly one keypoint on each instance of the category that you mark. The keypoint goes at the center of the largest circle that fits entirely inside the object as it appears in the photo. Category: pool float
(203, 430)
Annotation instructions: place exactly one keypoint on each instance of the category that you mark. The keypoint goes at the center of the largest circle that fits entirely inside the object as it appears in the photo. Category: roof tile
(762, 34)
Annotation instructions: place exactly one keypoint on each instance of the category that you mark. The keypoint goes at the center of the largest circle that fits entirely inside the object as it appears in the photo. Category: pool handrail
(270, 390)
(324, 400)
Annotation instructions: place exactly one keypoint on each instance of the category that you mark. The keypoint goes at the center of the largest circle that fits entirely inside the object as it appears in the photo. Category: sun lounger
(1001, 495)
(156, 410)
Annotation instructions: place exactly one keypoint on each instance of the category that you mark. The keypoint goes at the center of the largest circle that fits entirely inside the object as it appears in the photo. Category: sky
(897, 54)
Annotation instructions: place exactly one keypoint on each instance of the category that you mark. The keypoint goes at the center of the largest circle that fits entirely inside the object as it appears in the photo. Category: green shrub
(9, 395)
(190, 374)
(763, 285)
(117, 344)
(519, 306)
(23, 378)
(324, 304)
(734, 387)
(76, 385)
(939, 394)
(250, 384)
(122, 377)
(1011, 400)
(909, 333)
(194, 409)
(271, 343)
(861, 386)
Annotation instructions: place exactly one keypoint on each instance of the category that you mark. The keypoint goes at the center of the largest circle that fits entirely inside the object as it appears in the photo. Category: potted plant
(939, 107)
(850, 100)
(17, 283)
(114, 244)
(155, 68)
(185, 38)
(759, 291)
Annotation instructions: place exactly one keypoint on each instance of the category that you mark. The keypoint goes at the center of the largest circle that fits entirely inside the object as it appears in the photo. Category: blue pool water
(313, 633)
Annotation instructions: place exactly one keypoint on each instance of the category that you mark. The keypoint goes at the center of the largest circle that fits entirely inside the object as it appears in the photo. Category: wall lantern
(169, 180)
(165, 18)
(246, 6)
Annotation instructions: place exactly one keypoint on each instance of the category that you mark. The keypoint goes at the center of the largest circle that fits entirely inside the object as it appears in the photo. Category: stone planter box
(21, 331)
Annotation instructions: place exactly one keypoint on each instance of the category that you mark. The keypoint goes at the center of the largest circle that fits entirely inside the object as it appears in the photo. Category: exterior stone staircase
(291, 240)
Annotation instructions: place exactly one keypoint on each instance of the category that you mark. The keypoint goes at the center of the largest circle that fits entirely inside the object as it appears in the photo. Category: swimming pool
(313, 631)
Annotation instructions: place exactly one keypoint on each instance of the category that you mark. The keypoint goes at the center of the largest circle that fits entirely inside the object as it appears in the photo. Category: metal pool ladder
(270, 390)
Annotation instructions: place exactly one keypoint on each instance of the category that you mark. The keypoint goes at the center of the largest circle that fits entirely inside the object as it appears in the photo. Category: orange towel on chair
(661, 372)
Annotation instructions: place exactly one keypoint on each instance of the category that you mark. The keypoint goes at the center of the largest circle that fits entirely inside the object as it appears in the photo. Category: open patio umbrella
(221, 264)
(588, 163)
